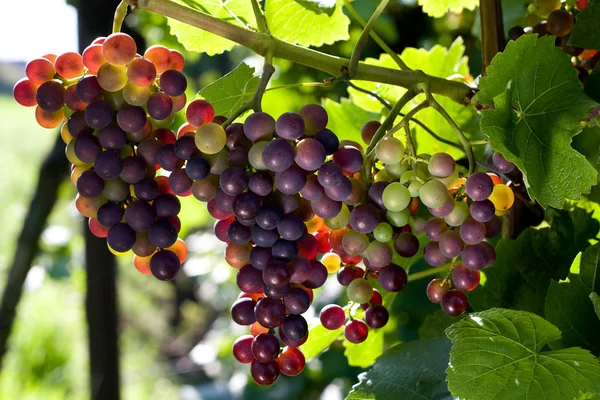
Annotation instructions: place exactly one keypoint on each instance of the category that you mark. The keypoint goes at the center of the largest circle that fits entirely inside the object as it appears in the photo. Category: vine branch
(262, 43)
(383, 101)
(364, 38)
(376, 37)
(120, 14)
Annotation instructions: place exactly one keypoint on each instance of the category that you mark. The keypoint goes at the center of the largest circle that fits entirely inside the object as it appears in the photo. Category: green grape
(70, 153)
(355, 243)
(383, 232)
(210, 138)
(136, 95)
(112, 78)
(433, 193)
(407, 176)
(450, 181)
(255, 156)
(414, 188)
(340, 220)
(163, 123)
(389, 150)
(399, 218)
(360, 291)
(382, 175)
(396, 197)
(543, 8)
(116, 190)
(396, 170)
(114, 99)
(458, 215)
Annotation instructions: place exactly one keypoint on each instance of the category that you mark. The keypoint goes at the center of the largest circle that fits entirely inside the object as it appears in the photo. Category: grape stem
(376, 37)
(364, 38)
(427, 272)
(120, 14)
(327, 82)
(261, 22)
(263, 43)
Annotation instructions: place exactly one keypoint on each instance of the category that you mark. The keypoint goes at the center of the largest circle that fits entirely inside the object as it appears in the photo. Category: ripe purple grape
(433, 256)
(436, 289)
(265, 347)
(165, 265)
(451, 244)
(465, 279)
(290, 126)
(269, 312)
(479, 186)
(376, 316)
(483, 211)
(501, 164)
(472, 231)
(454, 302)
(242, 311)
(356, 331)
(393, 278)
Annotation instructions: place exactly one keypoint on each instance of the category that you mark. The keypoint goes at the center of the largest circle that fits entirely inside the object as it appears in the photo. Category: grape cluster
(117, 106)
(551, 17)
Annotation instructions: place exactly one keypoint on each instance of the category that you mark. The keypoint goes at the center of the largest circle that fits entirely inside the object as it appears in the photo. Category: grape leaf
(439, 8)
(592, 85)
(408, 371)
(318, 6)
(524, 267)
(595, 299)
(229, 92)
(498, 354)
(319, 339)
(438, 61)
(568, 303)
(538, 105)
(237, 12)
(435, 324)
(346, 119)
(585, 30)
(287, 20)
(364, 354)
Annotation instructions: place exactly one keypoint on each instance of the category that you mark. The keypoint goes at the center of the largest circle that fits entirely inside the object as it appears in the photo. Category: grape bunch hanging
(293, 203)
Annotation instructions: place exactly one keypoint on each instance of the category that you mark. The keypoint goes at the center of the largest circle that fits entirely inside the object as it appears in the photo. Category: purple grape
(330, 175)
(238, 233)
(478, 256)
(276, 273)
(121, 237)
(146, 189)
(329, 140)
(259, 126)
(435, 228)
(289, 203)
(317, 275)
(165, 265)
(501, 164)
(242, 311)
(238, 157)
(378, 255)
(263, 237)
(443, 210)
(312, 189)
(376, 316)
(375, 193)
(197, 168)
(264, 373)
(87, 147)
(315, 118)
(77, 125)
(269, 312)
(276, 292)
(236, 137)
(98, 115)
(364, 218)
(159, 105)
(294, 327)
(441, 165)
(406, 244)
(269, 216)
(261, 183)
(131, 118)
(112, 137)
(433, 256)
(172, 82)
(110, 214)
(108, 164)
(134, 169)
(472, 232)
(179, 182)
(464, 278)
(310, 154)
(326, 208)
(479, 186)
(278, 155)
(246, 205)
(340, 192)
(224, 201)
(249, 279)
(185, 147)
(483, 211)
(290, 181)
(265, 347)
(454, 302)
(290, 126)
(89, 184)
(451, 244)
(493, 227)
(50, 96)
(296, 301)
(166, 205)
(88, 89)
(233, 180)
(260, 256)
(349, 158)
(162, 234)
(148, 150)
(167, 159)
(291, 227)
(392, 278)
(284, 250)
(139, 215)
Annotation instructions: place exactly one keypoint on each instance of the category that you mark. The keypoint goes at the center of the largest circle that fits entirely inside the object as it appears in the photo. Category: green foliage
(538, 105)
(228, 93)
(364, 354)
(319, 6)
(525, 266)
(435, 324)
(568, 304)
(319, 339)
(290, 21)
(438, 8)
(237, 12)
(595, 299)
(413, 370)
(592, 85)
(585, 31)
(346, 118)
(500, 354)
(438, 61)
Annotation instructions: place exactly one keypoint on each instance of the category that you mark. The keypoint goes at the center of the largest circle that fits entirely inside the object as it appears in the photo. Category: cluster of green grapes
(551, 17)
(293, 203)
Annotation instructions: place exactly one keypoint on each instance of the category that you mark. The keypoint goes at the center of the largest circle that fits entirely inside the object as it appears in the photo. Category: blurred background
(174, 338)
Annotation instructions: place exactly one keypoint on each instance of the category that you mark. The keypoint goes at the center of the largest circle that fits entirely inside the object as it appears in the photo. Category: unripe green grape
(218, 162)
(162, 123)
(112, 78)
(383, 232)
(407, 176)
(114, 99)
(415, 188)
(389, 150)
(210, 138)
(433, 194)
(396, 170)
(543, 8)
(136, 95)
(255, 155)
(450, 181)
(396, 197)
(126, 151)
(360, 291)
(355, 243)
(116, 190)
(399, 218)
(340, 220)
(441, 165)
(382, 175)
(70, 153)
(458, 215)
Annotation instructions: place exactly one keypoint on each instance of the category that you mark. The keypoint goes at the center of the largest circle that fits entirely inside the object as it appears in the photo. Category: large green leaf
(585, 31)
(438, 8)
(290, 21)
(237, 12)
(592, 85)
(319, 339)
(499, 354)
(524, 267)
(408, 371)
(319, 6)
(346, 119)
(228, 93)
(595, 299)
(438, 61)
(568, 304)
(538, 103)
